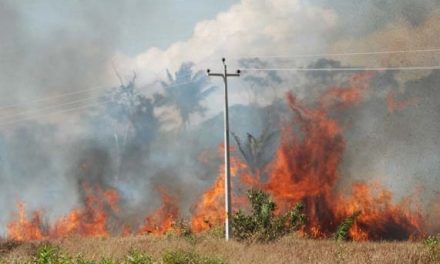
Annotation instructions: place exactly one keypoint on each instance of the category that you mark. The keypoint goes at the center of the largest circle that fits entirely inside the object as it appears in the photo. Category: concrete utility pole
(225, 75)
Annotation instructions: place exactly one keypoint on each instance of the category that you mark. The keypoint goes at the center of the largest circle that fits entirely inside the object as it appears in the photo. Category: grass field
(289, 249)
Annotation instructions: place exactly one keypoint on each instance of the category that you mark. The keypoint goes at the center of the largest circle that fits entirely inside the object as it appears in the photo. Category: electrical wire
(28, 118)
(415, 68)
(343, 54)
(49, 107)
(42, 112)
(62, 95)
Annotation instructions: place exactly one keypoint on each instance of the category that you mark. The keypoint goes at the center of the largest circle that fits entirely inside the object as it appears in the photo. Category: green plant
(81, 260)
(137, 257)
(107, 261)
(433, 244)
(432, 241)
(217, 231)
(47, 254)
(183, 229)
(188, 257)
(262, 224)
(296, 217)
(342, 232)
(256, 151)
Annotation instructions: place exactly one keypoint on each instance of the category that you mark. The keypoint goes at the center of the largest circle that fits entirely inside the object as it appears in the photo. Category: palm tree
(257, 152)
(134, 124)
(185, 92)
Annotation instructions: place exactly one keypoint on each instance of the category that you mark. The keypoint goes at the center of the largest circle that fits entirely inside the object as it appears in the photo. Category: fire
(93, 219)
(24, 228)
(209, 210)
(380, 218)
(305, 168)
(163, 219)
(395, 105)
(90, 220)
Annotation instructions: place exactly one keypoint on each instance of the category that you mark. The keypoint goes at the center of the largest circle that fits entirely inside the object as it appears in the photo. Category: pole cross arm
(233, 74)
(216, 74)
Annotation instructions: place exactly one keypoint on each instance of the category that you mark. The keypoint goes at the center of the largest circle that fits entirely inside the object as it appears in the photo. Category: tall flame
(164, 218)
(305, 168)
(24, 228)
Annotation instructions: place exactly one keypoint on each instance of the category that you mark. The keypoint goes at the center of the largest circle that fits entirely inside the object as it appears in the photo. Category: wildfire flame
(395, 105)
(25, 228)
(164, 218)
(305, 168)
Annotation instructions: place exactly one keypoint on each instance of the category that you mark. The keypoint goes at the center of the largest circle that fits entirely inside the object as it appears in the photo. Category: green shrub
(47, 254)
(262, 224)
(217, 232)
(432, 241)
(78, 260)
(433, 244)
(188, 257)
(296, 216)
(108, 261)
(137, 257)
(342, 232)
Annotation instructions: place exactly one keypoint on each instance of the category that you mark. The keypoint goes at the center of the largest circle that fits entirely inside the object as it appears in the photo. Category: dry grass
(287, 250)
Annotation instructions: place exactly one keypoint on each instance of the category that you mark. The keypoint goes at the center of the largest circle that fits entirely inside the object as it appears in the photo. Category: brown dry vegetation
(289, 249)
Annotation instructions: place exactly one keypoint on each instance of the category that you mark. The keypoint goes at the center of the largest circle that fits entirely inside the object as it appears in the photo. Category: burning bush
(262, 224)
(342, 233)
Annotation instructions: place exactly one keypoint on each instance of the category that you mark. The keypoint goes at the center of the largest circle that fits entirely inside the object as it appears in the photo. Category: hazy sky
(53, 47)
(137, 24)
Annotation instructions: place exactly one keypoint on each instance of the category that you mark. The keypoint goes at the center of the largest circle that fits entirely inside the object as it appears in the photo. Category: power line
(77, 92)
(48, 98)
(85, 99)
(42, 112)
(342, 54)
(47, 108)
(415, 68)
(3, 124)
(62, 95)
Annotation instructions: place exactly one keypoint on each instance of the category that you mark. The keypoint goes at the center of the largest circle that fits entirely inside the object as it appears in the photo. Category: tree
(185, 92)
(134, 125)
(257, 152)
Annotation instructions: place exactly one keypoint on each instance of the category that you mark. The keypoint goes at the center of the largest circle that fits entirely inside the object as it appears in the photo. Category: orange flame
(305, 168)
(394, 105)
(209, 210)
(88, 221)
(24, 228)
(163, 219)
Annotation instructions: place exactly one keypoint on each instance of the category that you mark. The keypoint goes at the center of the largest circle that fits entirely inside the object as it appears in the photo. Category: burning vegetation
(303, 173)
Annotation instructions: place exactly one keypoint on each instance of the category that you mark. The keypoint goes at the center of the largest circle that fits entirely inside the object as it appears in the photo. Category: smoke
(363, 17)
(124, 146)
(398, 147)
(249, 28)
(32, 169)
(37, 62)
(397, 35)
